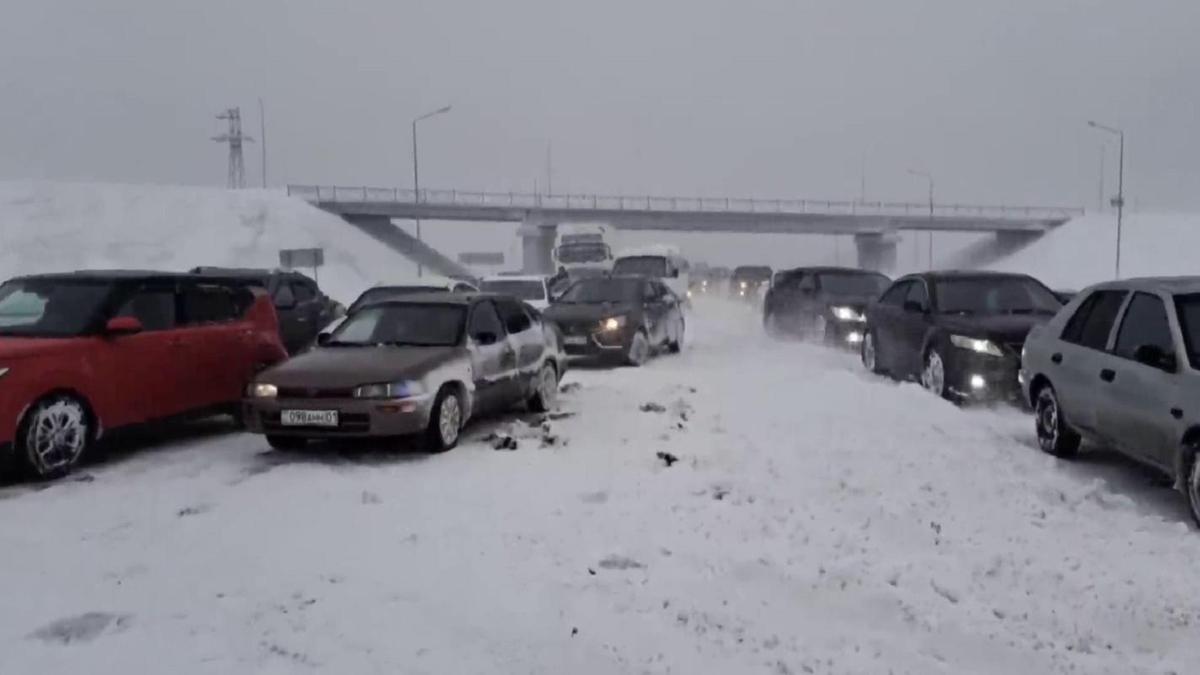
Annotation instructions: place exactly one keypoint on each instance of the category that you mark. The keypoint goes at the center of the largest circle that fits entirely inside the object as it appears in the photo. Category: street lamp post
(929, 177)
(1119, 201)
(416, 173)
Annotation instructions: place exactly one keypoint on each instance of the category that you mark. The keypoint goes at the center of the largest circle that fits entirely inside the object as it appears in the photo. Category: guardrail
(327, 194)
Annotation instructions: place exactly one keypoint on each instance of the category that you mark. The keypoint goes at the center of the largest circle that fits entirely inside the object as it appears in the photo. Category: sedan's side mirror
(1155, 357)
(323, 339)
(123, 325)
(485, 338)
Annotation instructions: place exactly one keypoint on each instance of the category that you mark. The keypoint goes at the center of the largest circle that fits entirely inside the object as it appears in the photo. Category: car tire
(639, 349)
(869, 352)
(1053, 434)
(53, 436)
(286, 443)
(545, 390)
(933, 373)
(445, 421)
(675, 346)
(1192, 487)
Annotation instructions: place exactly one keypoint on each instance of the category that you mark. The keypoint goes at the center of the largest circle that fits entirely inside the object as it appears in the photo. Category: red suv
(84, 352)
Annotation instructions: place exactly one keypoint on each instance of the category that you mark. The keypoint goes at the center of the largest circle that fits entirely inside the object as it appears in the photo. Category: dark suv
(822, 303)
(302, 308)
(959, 333)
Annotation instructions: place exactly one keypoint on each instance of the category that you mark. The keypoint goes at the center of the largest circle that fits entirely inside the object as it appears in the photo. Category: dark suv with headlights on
(749, 282)
(827, 304)
(959, 333)
(618, 317)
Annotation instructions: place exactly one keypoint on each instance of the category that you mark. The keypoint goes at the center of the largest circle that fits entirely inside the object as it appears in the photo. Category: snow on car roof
(415, 282)
(657, 250)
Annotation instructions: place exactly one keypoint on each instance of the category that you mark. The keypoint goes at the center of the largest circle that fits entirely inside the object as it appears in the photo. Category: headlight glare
(612, 323)
(262, 390)
(846, 314)
(977, 345)
(399, 389)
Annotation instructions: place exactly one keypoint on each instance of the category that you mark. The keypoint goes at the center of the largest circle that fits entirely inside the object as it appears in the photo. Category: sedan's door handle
(1108, 375)
(1056, 358)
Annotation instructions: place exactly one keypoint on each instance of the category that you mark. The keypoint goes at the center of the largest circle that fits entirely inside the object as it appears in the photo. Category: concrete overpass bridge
(875, 226)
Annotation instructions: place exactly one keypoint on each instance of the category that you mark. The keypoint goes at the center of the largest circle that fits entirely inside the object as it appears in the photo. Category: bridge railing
(599, 202)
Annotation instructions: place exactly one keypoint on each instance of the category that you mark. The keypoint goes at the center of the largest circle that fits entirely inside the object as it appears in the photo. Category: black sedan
(622, 318)
(822, 303)
(959, 333)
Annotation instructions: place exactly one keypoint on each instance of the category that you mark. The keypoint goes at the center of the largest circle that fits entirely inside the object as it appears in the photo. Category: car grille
(348, 423)
(315, 392)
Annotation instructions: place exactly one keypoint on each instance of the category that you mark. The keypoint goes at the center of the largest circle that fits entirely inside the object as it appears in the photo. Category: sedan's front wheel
(933, 375)
(870, 354)
(545, 393)
(1054, 436)
(445, 422)
(1193, 488)
(639, 350)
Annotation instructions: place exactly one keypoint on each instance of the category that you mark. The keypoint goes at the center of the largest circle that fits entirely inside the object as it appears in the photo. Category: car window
(424, 325)
(207, 303)
(484, 319)
(1093, 321)
(807, 283)
(154, 307)
(284, 297)
(303, 292)
(896, 294)
(1145, 323)
(917, 293)
(513, 315)
(1187, 308)
(47, 307)
(463, 288)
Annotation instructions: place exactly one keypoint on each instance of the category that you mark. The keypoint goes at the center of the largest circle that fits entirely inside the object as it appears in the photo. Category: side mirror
(1155, 357)
(485, 338)
(914, 307)
(323, 339)
(123, 325)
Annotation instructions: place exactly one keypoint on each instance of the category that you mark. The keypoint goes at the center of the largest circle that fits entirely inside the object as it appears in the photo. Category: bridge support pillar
(876, 250)
(537, 246)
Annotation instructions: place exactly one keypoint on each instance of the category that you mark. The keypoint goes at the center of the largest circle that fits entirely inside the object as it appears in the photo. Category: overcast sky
(772, 98)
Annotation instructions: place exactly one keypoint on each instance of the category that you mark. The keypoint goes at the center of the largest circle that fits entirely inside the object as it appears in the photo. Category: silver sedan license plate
(309, 418)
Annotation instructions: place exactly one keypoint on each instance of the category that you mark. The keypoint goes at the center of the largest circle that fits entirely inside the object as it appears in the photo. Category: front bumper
(597, 343)
(357, 418)
(982, 377)
(845, 334)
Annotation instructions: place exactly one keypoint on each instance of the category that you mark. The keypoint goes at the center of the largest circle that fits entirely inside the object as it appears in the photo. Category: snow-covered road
(817, 520)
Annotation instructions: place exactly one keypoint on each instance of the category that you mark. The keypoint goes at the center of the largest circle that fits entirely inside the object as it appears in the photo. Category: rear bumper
(357, 418)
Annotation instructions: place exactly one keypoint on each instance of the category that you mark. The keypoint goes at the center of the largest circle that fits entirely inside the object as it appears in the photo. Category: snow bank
(1081, 252)
(50, 227)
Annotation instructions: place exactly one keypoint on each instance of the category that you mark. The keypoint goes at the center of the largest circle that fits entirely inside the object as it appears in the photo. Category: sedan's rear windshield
(51, 307)
(588, 291)
(524, 289)
(752, 273)
(1188, 309)
(853, 284)
(995, 295)
(643, 265)
(401, 324)
(384, 293)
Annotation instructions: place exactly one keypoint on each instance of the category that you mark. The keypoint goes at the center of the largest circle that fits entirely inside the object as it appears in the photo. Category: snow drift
(1081, 252)
(53, 227)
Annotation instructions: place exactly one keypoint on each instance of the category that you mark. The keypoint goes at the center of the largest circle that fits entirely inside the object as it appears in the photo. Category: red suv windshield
(50, 307)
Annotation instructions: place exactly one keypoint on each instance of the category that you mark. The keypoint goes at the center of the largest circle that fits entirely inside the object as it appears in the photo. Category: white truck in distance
(583, 246)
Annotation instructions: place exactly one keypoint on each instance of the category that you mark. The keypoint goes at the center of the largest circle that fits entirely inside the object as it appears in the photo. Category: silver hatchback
(1119, 366)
